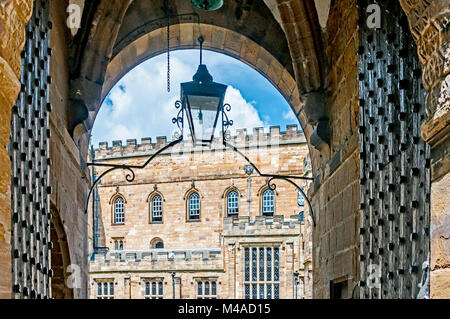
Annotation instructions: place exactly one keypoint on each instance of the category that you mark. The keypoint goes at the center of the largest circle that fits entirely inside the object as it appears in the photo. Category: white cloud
(243, 113)
(289, 115)
(142, 107)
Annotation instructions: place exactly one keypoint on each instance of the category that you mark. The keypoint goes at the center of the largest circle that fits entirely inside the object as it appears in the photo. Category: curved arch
(241, 48)
(224, 41)
(115, 196)
(153, 194)
(191, 190)
(155, 241)
(60, 258)
(230, 189)
(263, 188)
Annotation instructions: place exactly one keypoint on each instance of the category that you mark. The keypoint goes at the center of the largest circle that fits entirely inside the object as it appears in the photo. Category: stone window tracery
(261, 273)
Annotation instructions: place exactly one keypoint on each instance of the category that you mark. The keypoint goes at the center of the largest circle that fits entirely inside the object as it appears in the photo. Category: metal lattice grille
(262, 266)
(30, 162)
(395, 164)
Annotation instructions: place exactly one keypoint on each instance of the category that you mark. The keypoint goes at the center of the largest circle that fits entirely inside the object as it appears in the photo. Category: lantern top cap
(202, 75)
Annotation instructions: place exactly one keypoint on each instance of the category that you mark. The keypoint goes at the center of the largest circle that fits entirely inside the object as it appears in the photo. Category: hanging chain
(168, 50)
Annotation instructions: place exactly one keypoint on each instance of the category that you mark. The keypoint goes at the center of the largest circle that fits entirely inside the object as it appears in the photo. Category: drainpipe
(248, 170)
(173, 285)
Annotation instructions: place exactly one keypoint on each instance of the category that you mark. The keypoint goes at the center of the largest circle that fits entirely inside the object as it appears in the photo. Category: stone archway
(298, 20)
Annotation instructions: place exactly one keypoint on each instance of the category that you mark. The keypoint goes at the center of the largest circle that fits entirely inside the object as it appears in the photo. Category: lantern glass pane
(204, 113)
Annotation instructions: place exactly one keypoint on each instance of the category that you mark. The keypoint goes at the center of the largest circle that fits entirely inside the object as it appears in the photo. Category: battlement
(260, 225)
(156, 255)
(258, 138)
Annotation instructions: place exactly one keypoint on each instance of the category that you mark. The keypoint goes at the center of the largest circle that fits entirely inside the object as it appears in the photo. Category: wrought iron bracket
(272, 177)
(179, 121)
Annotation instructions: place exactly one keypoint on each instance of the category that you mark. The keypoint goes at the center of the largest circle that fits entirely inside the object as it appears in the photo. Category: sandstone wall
(336, 193)
(68, 180)
(211, 173)
(129, 270)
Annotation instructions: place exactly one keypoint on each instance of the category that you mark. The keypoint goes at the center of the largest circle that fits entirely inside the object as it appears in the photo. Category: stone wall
(129, 269)
(336, 192)
(68, 180)
(14, 14)
(211, 172)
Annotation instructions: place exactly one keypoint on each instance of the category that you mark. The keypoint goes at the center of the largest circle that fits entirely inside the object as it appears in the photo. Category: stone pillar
(430, 22)
(14, 15)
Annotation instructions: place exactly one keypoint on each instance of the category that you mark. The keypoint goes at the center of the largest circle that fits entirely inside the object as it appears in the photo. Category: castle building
(195, 224)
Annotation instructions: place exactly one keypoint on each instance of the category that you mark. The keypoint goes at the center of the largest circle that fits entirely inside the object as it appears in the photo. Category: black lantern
(202, 99)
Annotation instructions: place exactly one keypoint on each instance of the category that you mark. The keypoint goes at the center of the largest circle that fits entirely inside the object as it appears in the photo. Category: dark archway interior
(60, 259)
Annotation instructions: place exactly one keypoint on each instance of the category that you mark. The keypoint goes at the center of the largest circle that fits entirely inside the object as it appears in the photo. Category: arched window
(119, 211)
(194, 206)
(157, 215)
(232, 203)
(268, 203)
(157, 243)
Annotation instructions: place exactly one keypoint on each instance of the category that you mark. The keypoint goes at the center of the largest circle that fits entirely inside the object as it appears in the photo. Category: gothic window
(119, 211)
(232, 203)
(194, 206)
(206, 289)
(261, 273)
(157, 215)
(118, 244)
(154, 289)
(268, 203)
(105, 290)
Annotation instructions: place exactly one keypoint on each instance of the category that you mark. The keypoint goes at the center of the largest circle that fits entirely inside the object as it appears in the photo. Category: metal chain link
(168, 51)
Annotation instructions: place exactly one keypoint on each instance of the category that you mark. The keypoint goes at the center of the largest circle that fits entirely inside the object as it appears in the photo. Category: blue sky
(140, 106)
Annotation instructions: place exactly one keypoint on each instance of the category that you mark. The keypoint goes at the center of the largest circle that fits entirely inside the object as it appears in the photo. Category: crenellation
(151, 256)
(241, 139)
(131, 143)
(259, 224)
(274, 131)
(161, 141)
(117, 144)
